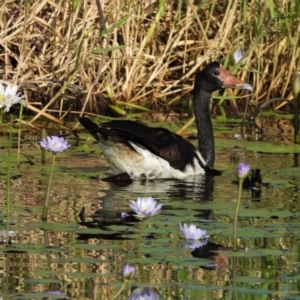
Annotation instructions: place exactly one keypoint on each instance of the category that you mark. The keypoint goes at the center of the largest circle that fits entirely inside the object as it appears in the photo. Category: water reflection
(61, 295)
(144, 293)
(198, 187)
(93, 264)
(210, 251)
(116, 211)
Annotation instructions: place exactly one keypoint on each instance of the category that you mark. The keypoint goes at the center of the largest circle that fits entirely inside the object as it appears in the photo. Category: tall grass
(146, 54)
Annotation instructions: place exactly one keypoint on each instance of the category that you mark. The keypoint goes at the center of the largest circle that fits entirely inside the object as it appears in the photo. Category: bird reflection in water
(115, 208)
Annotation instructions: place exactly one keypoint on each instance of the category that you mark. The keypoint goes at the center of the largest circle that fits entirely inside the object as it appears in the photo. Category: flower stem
(235, 220)
(1, 115)
(46, 204)
(137, 242)
(19, 132)
(119, 292)
(43, 136)
(8, 183)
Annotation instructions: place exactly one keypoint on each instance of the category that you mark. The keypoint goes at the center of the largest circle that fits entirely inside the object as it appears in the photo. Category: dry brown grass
(62, 57)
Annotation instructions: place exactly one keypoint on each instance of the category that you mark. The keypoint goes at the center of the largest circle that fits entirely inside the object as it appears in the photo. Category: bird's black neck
(206, 143)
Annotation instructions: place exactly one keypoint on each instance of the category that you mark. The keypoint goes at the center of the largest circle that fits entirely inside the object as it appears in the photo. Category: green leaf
(118, 110)
(271, 8)
(117, 24)
(75, 4)
(135, 106)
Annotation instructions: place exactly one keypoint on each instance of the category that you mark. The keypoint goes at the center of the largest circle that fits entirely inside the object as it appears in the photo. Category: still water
(83, 247)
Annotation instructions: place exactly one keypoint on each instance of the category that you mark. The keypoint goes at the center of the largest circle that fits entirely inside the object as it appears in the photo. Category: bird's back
(160, 142)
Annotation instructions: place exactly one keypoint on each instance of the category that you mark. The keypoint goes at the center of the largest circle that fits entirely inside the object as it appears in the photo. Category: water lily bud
(296, 85)
(242, 171)
(128, 272)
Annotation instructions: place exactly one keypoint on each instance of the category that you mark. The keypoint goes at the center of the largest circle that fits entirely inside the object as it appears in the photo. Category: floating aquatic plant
(53, 144)
(191, 232)
(144, 209)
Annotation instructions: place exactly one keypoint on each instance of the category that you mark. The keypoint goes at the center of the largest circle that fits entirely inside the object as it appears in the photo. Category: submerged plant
(144, 209)
(191, 232)
(53, 144)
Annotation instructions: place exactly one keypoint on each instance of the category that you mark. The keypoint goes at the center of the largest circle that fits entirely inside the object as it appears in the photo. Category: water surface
(85, 243)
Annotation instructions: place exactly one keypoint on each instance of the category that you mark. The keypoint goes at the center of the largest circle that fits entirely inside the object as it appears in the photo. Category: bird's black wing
(160, 141)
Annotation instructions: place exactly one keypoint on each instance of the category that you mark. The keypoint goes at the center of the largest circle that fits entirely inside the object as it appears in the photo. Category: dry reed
(68, 56)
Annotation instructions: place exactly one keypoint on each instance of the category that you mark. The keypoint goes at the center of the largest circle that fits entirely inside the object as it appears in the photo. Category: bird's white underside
(143, 163)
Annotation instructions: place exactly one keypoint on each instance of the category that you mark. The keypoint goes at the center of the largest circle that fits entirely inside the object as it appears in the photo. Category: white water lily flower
(145, 207)
(9, 96)
(191, 232)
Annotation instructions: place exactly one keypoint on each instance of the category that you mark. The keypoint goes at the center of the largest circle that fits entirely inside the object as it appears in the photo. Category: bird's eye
(217, 73)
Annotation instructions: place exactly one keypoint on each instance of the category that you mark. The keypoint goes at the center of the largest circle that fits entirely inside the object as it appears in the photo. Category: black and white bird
(141, 151)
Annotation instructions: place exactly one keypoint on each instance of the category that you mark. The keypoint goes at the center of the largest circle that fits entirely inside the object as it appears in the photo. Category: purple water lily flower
(9, 96)
(128, 271)
(145, 207)
(242, 171)
(144, 293)
(54, 144)
(191, 232)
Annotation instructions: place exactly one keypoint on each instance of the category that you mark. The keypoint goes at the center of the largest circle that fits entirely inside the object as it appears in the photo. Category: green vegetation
(125, 56)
